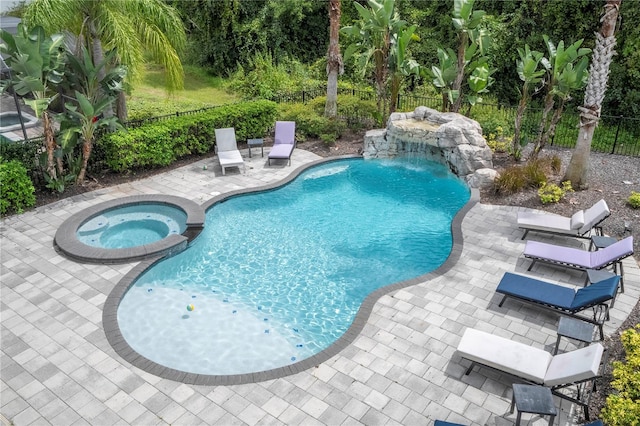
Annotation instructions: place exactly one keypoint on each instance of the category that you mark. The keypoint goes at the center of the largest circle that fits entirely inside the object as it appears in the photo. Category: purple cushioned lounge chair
(575, 258)
(284, 141)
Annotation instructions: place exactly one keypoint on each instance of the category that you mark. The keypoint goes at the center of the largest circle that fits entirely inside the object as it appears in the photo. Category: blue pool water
(278, 276)
(131, 226)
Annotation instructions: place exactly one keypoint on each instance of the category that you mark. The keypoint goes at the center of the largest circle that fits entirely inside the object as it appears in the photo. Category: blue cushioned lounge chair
(563, 300)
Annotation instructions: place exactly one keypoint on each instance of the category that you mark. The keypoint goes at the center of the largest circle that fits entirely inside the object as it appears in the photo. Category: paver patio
(58, 368)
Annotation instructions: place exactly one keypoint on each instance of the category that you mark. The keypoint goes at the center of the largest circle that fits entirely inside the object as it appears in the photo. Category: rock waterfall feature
(448, 137)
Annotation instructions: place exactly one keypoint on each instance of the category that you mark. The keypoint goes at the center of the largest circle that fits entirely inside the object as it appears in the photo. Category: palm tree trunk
(457, 84)
(50, 145)
(335, 66)
(594, 95)
(87, 146)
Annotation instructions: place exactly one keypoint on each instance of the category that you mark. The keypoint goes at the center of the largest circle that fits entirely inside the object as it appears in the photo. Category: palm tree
(132, 27)
(594, 95)
(335, 66)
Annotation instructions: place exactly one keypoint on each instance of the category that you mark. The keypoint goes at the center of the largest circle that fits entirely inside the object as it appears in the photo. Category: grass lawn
(200, 90)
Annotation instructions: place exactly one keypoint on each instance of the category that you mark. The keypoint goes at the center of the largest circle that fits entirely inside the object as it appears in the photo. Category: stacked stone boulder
(449, 138)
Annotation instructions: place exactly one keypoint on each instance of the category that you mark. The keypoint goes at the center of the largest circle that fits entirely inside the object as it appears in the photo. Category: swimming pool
(278, 276)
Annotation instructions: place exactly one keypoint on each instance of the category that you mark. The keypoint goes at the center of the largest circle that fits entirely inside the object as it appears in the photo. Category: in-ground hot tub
(130, 229)
(10, 121)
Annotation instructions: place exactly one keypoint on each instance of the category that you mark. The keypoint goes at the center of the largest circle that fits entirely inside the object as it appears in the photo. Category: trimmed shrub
(310, 124)
(622, 408)
(356, 113)
(140, 109)
(552, 193)
(161, 143)
(16, 189)
(634, 200)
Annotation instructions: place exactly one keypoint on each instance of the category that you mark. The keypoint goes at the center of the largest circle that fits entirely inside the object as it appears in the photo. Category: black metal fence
(614, 134)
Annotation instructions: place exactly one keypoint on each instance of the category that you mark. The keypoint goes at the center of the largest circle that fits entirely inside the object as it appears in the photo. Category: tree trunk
(335, 66)
(121, 107)
(457, 84)
(50, 145)
(396, 83)
(522, 106)
(543, 129)
(97, 54)
(87, 146)
(594, 95)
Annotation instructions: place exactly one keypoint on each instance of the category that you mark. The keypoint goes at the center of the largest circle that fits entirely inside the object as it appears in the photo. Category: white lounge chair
(535, 365)
(227, 149)
(581, 224)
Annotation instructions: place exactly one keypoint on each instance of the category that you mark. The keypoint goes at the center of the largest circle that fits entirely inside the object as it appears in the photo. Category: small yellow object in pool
(190, 308)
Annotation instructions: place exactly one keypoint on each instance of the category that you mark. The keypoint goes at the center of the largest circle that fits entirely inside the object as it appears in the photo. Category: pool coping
(67, 243)
(122, 348)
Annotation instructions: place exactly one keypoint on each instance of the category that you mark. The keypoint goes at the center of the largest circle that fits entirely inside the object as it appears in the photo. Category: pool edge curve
(122, 348)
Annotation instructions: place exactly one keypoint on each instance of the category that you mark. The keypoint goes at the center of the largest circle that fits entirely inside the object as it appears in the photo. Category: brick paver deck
(58, 368)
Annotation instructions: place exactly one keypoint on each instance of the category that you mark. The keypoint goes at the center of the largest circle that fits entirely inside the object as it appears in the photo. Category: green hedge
(16, 189)
(161, 143)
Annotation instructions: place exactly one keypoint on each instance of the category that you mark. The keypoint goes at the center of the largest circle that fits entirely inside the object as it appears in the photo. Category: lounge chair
(284, 141)
(563, 300)
(534, 365)
(570, 257)
(227, 149)
(582, 224)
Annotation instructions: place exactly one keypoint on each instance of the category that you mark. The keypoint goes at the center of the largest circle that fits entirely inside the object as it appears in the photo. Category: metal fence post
(615, 140)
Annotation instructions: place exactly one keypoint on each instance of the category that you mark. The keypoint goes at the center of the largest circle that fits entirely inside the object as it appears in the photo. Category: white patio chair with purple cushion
(575, 258)
(581, 224)
(284, 141)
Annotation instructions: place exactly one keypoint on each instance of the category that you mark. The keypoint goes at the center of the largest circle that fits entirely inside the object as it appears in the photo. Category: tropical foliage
(94, 92)
(381, 38)
(566, 70)
(531, 75)
(37, 63)
(135, 29)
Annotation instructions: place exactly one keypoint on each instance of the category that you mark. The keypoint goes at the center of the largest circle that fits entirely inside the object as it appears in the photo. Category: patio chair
(284, 141)
(582, 224)
(575, 258)
(563, 300)
(560, 373)
(227, 149)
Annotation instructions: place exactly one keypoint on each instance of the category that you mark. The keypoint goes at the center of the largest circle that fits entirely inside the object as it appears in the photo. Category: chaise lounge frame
(582, 224)
(584, 388)
(582, 260)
